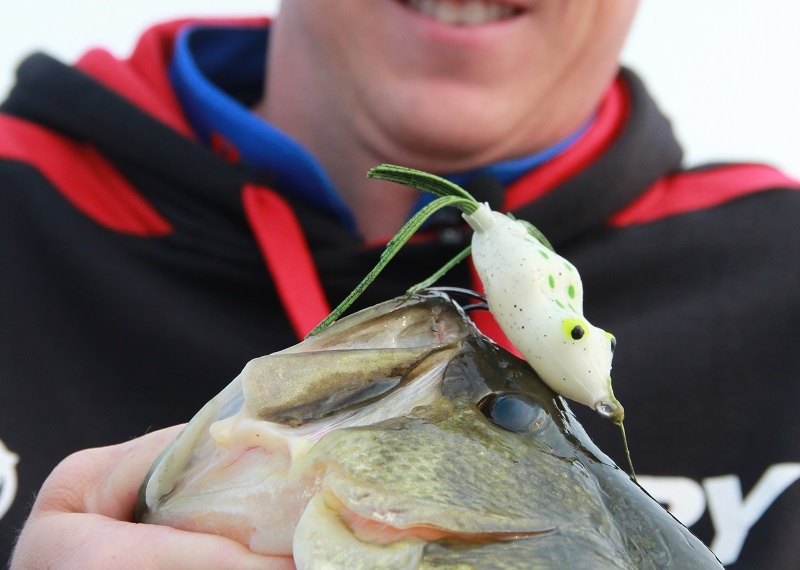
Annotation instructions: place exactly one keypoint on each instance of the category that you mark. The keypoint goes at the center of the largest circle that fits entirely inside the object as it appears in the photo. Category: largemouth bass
(400, 437)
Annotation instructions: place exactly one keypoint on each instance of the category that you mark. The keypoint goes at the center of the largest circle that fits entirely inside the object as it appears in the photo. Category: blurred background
(727, 72)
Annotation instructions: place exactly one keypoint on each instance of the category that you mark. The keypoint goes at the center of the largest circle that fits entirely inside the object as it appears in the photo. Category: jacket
(140, 270)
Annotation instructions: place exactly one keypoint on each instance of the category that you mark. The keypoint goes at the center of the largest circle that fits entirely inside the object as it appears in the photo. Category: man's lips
(464, 12)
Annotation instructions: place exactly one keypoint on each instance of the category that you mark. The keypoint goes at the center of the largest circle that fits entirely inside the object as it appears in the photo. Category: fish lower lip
(380, 533)
(463, 13)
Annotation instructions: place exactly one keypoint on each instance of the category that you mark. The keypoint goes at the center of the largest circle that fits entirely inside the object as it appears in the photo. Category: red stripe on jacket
(285, 250)
(611, 117)
(83, 176)
(697, 190)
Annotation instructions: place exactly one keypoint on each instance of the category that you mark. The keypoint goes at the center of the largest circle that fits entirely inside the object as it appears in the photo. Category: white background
(727, 72)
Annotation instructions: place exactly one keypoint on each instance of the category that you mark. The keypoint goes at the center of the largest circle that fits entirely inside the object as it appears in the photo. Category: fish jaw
(323, 540)
(332, 537)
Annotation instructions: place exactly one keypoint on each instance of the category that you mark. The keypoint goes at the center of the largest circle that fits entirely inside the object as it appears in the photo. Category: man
(142, 270)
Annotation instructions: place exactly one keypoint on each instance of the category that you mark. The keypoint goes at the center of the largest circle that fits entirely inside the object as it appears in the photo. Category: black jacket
(139, 272)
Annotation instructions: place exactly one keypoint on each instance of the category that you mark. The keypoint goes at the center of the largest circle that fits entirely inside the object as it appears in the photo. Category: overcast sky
(725, 71)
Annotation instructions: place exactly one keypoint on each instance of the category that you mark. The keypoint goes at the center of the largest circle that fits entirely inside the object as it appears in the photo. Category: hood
(125, 111)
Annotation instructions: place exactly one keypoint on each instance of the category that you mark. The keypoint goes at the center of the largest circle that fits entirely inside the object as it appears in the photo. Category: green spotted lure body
(536, 297)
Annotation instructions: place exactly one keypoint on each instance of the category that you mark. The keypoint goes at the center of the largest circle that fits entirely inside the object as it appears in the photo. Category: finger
(88, 541)
(103, 480)
(77, 520)
(117, 494)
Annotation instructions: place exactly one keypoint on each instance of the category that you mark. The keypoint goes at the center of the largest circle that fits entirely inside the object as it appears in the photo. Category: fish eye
(513, 412)
(613, 344)
(574, 328)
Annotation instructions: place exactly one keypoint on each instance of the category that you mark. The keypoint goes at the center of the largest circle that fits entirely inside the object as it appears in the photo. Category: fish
(401, 437)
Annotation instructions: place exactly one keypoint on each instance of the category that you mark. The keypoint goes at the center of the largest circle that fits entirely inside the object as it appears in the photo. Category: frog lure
(535, 295)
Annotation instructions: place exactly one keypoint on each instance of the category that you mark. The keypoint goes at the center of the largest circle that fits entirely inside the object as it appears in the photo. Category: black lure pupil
(613, 344)
(577, 332)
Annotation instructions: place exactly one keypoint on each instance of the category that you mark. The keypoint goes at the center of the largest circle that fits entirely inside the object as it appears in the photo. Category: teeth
(469, 13)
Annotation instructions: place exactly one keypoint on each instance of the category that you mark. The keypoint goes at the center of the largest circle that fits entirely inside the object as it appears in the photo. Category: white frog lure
(535, 295)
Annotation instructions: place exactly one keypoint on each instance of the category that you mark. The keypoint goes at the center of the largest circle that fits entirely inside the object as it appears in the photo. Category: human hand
(82, 518)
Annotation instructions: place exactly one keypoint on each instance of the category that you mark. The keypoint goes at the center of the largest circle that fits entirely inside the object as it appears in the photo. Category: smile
(463, 12)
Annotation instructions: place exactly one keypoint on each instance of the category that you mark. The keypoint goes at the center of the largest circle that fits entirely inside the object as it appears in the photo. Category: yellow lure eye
(576, 329)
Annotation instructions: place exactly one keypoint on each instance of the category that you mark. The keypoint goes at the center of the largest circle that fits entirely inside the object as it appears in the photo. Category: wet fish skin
(418, 476)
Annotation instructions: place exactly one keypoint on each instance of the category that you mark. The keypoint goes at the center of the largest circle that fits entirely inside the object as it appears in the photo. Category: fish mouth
(389, 536)
(382, 533)
(465, 12)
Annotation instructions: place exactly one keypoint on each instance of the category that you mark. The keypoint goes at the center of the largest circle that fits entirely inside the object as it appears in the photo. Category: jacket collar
(127, 108)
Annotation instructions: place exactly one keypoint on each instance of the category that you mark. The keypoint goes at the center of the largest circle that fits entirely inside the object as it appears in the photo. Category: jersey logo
(732, 513)
(8, 478)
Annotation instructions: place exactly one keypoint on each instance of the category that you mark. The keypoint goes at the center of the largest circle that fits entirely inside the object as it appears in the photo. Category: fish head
(419, 444)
